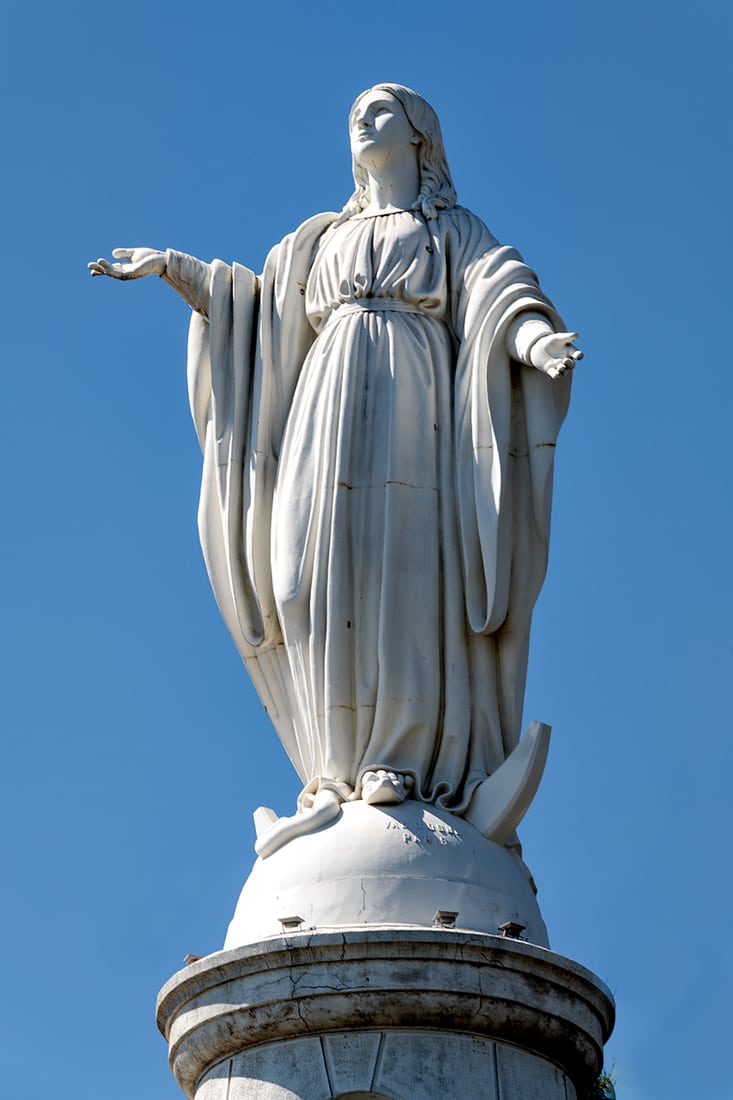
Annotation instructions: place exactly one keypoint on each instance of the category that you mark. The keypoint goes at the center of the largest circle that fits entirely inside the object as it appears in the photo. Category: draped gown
(375, 503)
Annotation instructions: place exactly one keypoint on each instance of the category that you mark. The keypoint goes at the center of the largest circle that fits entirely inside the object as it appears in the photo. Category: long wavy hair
(436, 186)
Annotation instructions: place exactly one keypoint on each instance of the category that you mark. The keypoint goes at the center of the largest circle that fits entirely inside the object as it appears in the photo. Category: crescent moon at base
(502, 800)
(497, 806)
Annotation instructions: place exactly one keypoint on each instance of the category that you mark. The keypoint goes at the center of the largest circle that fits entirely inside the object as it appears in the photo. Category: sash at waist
(378, 305)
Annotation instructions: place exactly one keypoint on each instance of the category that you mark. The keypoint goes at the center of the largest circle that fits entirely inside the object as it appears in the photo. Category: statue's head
(436, 186)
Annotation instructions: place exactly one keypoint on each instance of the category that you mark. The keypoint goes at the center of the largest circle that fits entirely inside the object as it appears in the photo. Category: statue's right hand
(137, 262)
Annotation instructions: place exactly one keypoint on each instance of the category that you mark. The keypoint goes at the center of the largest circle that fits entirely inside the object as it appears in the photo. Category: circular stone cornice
(385, 978)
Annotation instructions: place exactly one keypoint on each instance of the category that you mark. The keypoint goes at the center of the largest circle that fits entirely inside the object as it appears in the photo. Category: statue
(378, 414)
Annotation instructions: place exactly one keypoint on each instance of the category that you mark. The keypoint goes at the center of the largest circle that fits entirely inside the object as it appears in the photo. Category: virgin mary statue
(378, 414)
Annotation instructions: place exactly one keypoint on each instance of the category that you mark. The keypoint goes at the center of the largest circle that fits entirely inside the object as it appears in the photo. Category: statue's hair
(436, 186)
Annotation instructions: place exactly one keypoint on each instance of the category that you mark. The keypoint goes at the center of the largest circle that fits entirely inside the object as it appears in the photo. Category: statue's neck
(394, 187)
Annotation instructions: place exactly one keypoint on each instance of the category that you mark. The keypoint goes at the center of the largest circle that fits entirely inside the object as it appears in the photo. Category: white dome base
(386, 865)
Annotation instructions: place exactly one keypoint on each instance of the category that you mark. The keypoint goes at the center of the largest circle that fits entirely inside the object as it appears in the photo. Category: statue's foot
(383, 788)
(326, 807)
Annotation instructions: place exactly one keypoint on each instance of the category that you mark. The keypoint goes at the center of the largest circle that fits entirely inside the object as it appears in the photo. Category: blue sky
(594, 137)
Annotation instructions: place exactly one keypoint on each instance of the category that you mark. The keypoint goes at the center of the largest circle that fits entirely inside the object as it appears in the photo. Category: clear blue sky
(594, 137)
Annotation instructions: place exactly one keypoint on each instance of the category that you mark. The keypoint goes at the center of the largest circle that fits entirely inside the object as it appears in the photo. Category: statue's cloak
(245, 361)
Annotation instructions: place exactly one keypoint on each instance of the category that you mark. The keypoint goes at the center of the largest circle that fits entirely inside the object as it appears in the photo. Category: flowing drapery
(376, 491)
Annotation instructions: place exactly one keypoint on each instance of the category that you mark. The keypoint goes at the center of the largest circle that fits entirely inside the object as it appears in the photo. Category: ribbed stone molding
(406, 1014)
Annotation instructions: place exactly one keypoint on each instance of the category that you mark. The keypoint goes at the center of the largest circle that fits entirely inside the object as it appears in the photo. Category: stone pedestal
(388, 866)
(399, 1013)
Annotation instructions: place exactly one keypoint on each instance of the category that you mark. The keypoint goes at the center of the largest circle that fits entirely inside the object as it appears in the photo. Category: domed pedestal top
(405, 865)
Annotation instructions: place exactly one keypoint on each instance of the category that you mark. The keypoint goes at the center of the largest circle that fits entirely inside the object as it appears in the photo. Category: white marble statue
(378, 414)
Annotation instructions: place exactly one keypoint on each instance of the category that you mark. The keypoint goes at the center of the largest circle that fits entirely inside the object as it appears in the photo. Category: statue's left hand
(555, 354)
(138, 262)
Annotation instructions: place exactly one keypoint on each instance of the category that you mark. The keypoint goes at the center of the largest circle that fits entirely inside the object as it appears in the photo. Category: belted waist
(378, 305)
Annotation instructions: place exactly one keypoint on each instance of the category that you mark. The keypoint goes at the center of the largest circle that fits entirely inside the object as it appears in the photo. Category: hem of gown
(440, 795)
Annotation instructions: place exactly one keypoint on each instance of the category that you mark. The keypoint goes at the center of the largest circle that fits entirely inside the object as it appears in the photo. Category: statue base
(386, 1014)
(387, 865)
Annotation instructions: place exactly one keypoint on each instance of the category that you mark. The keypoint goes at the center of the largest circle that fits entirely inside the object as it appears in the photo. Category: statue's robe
(376, 491)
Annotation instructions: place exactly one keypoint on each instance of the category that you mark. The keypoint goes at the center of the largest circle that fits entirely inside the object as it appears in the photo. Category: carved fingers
(556, 353)
(134, 263)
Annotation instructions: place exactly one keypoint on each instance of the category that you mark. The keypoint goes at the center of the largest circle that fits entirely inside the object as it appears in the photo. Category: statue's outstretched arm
(532, 340)
(188, 276)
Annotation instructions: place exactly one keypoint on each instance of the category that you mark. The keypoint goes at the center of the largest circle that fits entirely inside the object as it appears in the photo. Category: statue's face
(380, 130)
